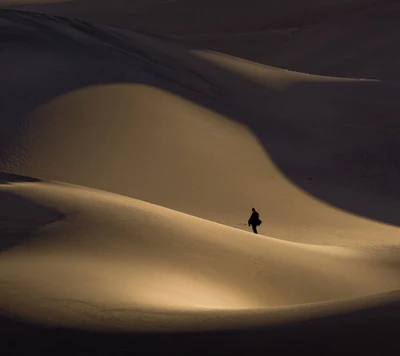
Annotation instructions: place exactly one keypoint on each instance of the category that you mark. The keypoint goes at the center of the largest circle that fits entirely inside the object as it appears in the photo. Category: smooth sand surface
(96, 261)
(132, 163)
(201, 133)
(345, 38)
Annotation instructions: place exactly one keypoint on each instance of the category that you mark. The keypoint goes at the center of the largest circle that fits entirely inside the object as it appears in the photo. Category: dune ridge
(130, 163)
(267, 125)
(306, 36)
(122, 275)
(109, 241)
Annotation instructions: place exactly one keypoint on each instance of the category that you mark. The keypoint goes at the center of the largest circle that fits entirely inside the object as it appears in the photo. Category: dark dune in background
(344, 38)
(199, 17)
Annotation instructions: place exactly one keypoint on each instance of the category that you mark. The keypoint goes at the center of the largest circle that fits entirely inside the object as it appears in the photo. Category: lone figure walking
(254, 220)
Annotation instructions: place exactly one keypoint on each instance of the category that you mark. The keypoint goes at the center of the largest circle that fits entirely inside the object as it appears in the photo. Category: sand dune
(106, 253)
(178, 16)
(160, 149)
(306, 36)
(99, 261)
(224, 136)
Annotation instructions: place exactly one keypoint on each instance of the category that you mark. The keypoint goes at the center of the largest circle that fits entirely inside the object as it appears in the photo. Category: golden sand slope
(100, 253)
(199, 132)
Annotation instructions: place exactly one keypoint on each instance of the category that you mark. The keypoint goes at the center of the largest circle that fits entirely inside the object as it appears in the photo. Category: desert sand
(131, 162)
(345, 38)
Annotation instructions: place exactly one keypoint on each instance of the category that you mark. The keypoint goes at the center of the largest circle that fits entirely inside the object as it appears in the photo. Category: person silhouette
(254, 220)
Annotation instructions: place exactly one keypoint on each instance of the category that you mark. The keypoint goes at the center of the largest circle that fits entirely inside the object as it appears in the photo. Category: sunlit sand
(130, 166)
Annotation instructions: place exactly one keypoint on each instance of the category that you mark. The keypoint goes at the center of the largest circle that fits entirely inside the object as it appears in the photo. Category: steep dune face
(343, 38)
(199, 132)
(111, 253)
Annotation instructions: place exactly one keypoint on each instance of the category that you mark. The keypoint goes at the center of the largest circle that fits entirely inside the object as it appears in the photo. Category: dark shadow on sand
(8, 178)
(186, 17)
(372, 330)
(20, 217)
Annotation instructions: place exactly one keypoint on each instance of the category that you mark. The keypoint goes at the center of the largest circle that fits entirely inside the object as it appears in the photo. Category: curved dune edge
(75, 258)
(79, 315)
(116, 262)
(95, 112)
(306, 37)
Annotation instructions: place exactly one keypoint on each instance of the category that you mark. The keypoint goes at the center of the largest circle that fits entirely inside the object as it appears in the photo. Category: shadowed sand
(345, 38)
(168, 147)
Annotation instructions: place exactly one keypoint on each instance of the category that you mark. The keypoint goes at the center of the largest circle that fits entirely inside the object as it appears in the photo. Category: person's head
(253, 209)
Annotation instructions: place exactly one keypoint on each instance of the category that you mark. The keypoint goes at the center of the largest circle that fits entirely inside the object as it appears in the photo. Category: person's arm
(251, 218)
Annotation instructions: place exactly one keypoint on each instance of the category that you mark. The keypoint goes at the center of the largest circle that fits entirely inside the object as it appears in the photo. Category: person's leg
(254, 228)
